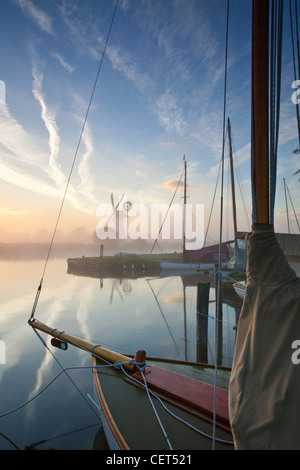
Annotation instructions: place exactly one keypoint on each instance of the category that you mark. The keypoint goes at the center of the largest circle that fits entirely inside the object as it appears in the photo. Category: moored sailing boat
(200, 260)
(240, 288)
(189, 411)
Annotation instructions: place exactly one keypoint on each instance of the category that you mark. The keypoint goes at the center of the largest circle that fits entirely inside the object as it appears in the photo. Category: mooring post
(202, 321)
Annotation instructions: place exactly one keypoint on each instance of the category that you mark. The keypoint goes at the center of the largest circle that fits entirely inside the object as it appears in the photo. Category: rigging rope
(64, 370)
(65, 193)
(275, 89)
(288, 191)
(212, 205)
(141, 367)
(179, 181)
(218, 309)
(241, 188)
(276, 15)
(119, 365)
(294, 60)
(74, 159)
(150, 392)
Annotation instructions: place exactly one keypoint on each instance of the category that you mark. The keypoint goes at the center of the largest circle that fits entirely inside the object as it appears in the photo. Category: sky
(159, 96)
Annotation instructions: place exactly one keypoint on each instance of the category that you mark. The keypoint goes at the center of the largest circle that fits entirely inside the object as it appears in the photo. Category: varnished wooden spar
(97, 350)
(260, 108)
(186, 390)
(179, 388)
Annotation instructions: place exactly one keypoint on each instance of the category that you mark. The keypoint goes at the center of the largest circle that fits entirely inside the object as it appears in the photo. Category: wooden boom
(97, 350)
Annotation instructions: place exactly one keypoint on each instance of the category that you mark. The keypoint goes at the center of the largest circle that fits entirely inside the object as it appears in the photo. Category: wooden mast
(184, 207)
(232, 184)
(260, 109)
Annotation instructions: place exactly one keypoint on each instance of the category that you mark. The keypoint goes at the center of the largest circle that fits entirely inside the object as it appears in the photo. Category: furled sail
(265, 380)
(264, 399)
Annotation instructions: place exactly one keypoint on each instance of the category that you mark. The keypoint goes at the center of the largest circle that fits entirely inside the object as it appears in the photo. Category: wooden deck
(188, 391)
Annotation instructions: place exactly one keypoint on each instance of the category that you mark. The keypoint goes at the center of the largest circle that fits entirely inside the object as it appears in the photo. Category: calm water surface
(155, 314)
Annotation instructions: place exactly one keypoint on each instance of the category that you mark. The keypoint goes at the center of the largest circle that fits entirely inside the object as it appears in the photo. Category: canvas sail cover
(290, 243)
(264, 390)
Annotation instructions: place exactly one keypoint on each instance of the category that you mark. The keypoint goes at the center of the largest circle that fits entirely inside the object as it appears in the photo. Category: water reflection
(153, 313)
(163, 310)
(158, 314)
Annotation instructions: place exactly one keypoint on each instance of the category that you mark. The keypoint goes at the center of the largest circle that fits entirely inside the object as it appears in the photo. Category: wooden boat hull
(240, 289)
(187, 266)
(131, 418)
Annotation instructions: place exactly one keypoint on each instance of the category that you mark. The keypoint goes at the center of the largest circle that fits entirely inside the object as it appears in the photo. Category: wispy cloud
(124, 63)
(82, 28)
(82, 195)
(207, 129)
(23, 159)
(169, 114)
(40, 18)
(63, 62)
(23, 179)
(90, 41)
(11, 211)
(168, 144)
(173, 184)
(86, 186)
(159, 84)
(48, 118)
(25, 163)
(16, 140)
(141, 165)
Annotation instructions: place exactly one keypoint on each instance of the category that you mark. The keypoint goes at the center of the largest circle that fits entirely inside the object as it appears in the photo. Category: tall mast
(286, 205)
(184, 204)
(260, 108)
(232, 183)
(288, 191)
